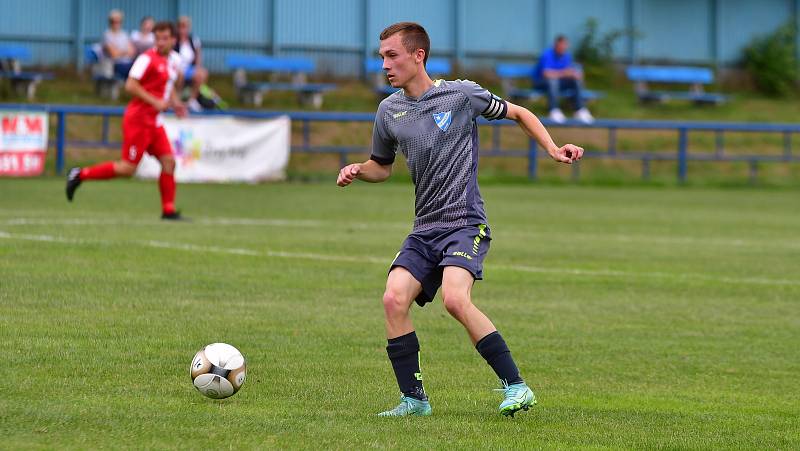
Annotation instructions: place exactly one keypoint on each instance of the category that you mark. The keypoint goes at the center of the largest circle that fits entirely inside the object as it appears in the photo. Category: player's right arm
(134, 88)
(369, 171)
(379, 166)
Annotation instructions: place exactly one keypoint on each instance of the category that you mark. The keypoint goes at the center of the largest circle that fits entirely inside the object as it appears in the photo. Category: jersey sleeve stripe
(381, 160)
(496, 109)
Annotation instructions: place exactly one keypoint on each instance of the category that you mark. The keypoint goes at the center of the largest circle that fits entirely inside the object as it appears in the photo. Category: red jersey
(156, 73)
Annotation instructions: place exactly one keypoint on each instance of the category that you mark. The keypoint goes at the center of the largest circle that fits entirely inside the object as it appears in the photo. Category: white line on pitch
(310, 223)
(256, 222)
(385, 261)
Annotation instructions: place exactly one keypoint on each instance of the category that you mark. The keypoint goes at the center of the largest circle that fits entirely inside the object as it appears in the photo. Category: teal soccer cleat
(409, 407)
(517, 397)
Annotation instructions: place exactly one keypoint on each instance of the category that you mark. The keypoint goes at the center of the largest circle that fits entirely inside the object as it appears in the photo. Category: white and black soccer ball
(218, 370)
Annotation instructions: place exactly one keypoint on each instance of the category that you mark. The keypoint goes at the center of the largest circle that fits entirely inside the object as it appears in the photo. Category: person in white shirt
(191, 53)
(143, 38)
(117, 44)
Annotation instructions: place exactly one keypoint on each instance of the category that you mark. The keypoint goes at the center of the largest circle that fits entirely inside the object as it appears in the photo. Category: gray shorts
(425, 254)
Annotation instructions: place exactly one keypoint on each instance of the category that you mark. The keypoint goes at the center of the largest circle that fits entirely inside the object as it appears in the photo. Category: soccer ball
(218, 370)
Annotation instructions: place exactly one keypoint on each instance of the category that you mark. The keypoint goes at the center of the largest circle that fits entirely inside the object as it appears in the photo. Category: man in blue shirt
(555, 73)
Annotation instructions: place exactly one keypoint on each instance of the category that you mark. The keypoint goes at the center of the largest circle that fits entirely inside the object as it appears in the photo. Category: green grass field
(642, 317)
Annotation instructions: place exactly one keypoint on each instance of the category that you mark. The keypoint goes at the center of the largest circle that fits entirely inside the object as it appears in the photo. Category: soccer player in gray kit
(433, 124)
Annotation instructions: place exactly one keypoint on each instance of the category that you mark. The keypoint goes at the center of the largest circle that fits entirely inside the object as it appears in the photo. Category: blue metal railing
(681, 154)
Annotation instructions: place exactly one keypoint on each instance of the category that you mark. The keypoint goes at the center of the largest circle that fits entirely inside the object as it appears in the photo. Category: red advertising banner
(23, 143)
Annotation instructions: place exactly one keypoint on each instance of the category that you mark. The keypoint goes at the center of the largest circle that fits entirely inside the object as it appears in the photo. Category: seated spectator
(191, 53)
(143, 38)
(555, 73)
(117, 44)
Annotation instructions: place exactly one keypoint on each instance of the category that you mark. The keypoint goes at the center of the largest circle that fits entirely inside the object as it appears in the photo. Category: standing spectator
(117, 44)
(556, 73)
(143, 38)
(191, 53)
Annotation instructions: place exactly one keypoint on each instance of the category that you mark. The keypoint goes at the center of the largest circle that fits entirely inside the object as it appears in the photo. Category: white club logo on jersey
(443, 119)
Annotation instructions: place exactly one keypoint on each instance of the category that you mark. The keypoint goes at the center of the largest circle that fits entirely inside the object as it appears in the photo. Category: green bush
(772, 61)
(595, 51)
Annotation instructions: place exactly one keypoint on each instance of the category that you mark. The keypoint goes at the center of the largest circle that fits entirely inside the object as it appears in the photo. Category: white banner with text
(224, 149)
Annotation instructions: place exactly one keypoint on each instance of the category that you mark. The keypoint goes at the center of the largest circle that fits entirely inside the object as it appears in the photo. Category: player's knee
(200, 76)
(124, 169)
(456, 304)
(168, 165)
(394, 303)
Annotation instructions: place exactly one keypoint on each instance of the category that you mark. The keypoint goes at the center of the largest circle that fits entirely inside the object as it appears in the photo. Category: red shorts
(139, 138)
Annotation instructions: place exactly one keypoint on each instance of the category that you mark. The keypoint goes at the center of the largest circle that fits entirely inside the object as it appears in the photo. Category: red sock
(100, 171)
(166, 184)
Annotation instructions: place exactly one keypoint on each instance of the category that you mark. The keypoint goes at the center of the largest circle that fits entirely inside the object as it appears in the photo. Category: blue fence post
(787, 146)
(531, 159)
(682, 154)
(105, 129)
(612, 140)
(306, 134)
(753, 172)
(60, 138)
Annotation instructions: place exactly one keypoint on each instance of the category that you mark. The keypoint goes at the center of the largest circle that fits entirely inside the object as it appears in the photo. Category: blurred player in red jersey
(150, 82)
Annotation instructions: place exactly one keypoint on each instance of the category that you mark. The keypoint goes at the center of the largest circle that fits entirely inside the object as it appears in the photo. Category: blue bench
(510, 73)
(24, 83)
(309, 94)
(106, 82)
(695, 77)
(436, 68)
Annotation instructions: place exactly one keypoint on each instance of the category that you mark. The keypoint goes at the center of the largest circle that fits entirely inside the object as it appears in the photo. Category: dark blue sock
(404, 354)
(493, 348)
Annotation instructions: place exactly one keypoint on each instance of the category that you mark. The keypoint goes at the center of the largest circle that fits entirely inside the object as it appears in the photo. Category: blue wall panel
(45, 27)
(39, 18)
(676, 29)
(516, 28)
(338, 34)
(741, 20)
(436, 17)
(336, 24)
(230, 22)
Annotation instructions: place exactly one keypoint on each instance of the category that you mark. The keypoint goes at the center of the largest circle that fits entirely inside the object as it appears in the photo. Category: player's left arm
(533, 127)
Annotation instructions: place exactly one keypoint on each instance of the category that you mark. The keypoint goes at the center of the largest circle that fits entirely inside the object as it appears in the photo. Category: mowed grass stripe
(383, 261)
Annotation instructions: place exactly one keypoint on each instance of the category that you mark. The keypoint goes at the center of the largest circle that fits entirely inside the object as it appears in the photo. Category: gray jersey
(438, 135)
